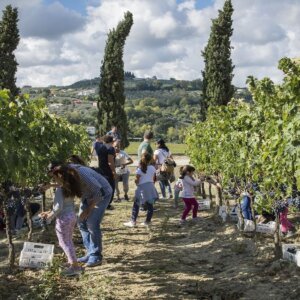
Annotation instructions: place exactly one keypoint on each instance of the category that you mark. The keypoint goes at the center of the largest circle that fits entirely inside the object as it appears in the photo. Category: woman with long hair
(160, 155)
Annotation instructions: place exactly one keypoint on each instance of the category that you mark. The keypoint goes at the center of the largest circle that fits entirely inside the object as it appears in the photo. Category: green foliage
(217, 74)
(111, 89)
(256, 142)
(9, 40)
(30, 137)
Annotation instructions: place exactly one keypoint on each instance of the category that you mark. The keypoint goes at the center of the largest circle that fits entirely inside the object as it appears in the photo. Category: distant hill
(144, 84)
(85, 83)
(168, 106)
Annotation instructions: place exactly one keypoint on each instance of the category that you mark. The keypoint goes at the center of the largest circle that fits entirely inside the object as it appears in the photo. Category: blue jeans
(136, 209)
(90, 228)
(163, 185)
(246, 208)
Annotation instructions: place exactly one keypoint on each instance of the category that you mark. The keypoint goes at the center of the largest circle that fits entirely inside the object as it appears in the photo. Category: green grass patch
(178, 149)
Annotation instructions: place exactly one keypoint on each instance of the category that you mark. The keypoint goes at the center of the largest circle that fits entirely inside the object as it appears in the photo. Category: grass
(178, 149)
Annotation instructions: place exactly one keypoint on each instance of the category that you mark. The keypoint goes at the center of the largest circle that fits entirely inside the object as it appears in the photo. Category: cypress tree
(9, 40)
(111, 87)
(217, 74)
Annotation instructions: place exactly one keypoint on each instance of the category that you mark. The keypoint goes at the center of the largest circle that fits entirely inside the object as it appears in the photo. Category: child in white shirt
(145, 194)
(189, 183)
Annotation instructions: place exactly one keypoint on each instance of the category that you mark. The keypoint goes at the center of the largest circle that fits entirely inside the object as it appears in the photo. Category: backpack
(168, 166)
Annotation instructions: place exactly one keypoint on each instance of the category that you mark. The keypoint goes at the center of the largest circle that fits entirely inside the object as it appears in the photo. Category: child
(64, 211)
(287, 228)
(189, 183)
(145, 193)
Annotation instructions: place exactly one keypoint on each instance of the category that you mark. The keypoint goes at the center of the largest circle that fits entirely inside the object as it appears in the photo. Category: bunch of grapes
(296, 202)
(280, 206)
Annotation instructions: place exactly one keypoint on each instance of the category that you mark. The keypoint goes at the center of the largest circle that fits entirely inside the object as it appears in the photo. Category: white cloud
(163, 26)
(60, 46)
(189, 5)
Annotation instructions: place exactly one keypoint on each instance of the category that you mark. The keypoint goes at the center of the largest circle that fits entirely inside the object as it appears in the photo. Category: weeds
(48, 287)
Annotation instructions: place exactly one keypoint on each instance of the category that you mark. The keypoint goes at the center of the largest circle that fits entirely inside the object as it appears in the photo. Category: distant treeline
(144, 84)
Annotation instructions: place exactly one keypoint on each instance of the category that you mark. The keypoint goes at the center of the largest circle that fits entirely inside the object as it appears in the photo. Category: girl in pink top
(189, 183)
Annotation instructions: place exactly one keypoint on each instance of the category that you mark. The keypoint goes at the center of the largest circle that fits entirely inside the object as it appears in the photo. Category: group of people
(95, 187)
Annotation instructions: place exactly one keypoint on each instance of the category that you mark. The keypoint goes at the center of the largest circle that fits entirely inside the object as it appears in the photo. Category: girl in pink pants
(189, 183)
(68, 186)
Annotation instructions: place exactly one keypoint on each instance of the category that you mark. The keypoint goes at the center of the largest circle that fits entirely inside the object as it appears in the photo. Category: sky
(62, 41)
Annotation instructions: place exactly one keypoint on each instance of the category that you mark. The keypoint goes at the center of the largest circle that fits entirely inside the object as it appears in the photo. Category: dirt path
(203, 260)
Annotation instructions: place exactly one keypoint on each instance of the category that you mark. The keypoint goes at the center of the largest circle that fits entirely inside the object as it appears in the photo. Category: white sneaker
(182, 222)
(130, 224)
(146, 224)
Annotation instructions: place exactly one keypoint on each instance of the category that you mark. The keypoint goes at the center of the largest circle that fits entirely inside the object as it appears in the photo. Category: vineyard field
(166, 261)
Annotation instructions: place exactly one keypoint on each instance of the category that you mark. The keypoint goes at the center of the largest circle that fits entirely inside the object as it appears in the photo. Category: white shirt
(121, 159)
(162, 155)
(189, 186)
(146, 177)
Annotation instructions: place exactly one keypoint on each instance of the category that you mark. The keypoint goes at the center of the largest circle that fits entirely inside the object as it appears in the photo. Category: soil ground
(207, 259)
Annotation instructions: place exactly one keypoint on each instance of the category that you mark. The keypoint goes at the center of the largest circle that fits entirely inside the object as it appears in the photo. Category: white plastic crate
(234, 213)
(268, 228)
(223, 212)
(248, 225)
(204, 204)
(36, 255)
(287, 255)
(36, 221)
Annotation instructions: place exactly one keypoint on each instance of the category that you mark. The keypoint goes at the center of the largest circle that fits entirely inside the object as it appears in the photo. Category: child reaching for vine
(64, 211)
(188, 186)
(145, 194)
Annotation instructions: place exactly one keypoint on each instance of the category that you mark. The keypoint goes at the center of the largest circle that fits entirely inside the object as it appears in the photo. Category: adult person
(114, 133)
(122, 171)
(106, 158)
(96, 195)
(145, 146)
(96, 144)
(162, 153)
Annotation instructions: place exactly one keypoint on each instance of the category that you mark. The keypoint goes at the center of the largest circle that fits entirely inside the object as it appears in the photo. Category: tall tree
(111, 88)
(217, 74)
(9, 40)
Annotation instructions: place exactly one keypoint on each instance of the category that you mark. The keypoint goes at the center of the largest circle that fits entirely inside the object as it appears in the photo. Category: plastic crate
(248, 225)
(36, 255)
(268, 228)
(234, 213)
(204, 204)
(223, 212)
(287, 255)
